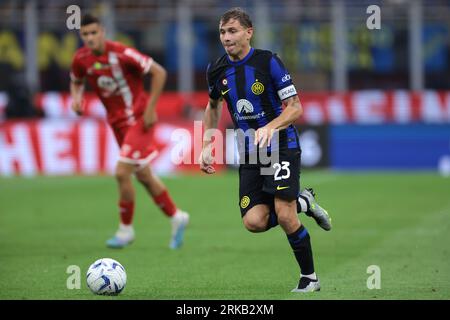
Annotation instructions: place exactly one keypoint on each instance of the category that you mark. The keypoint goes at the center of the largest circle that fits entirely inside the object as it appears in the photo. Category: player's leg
(253, 202)
(306, 203)
(300, 243)
(256, 219)
(158, 191)
(124, 171)
(125, 234)
(283, 184)
(138, 150)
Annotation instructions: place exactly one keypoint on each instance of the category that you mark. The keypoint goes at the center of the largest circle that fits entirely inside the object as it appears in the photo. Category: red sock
(126, 211)
(165, 203)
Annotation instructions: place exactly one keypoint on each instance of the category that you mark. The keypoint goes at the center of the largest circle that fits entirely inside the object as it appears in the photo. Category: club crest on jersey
(224, 82)
(257, 87)
(243, 105)
(245, 201)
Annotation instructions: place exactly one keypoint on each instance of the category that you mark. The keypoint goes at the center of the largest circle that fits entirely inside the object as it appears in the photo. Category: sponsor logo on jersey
(246, 107)
(97, 66)
(243, 105)
(238, 117)
(286, 77)
(107, 83)
(257, 87)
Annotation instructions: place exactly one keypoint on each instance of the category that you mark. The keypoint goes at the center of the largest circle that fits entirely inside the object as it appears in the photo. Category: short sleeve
(213, 91)
(137, 60)
(77, 71)
(281, 79)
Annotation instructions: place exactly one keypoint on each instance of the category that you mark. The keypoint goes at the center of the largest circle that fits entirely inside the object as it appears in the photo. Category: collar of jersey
(108, 46)
(236, 63)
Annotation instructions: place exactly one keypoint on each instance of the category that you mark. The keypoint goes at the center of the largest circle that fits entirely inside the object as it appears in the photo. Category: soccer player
(115, 72)
(255, 85)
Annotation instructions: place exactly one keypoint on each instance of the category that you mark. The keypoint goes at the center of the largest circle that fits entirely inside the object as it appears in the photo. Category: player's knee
(284, 218)
(286, 212)
(287, 217)
(254, 224)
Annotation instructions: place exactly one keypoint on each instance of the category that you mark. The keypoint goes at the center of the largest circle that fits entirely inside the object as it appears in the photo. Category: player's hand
(264, 135)
(150, 118)
(77, 106)
(206, 160)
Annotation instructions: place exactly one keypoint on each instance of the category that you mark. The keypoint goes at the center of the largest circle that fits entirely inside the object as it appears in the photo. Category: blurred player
(255, 84)
(115, 72)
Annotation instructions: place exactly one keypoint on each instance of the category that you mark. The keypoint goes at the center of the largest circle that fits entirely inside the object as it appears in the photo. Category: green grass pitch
(399, 222)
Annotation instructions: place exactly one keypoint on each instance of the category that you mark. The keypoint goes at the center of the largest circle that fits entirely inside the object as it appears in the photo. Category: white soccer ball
(106, 276)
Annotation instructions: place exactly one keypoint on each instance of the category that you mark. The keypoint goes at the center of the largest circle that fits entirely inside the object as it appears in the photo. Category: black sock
(301, 245)
(273, 218)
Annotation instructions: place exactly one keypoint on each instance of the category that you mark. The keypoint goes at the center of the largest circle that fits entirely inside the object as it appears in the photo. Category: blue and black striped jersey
(254, 88)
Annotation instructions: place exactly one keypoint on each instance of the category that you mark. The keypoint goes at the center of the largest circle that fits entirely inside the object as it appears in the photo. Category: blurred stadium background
(355, 83)
(376, 102)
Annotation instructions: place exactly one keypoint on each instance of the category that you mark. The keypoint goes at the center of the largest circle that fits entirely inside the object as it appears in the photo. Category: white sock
(177, 213)
(126, 227)
(311, 276)
(303, 204)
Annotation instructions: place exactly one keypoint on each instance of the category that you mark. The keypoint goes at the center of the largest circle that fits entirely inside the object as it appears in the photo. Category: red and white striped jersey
(116, 77)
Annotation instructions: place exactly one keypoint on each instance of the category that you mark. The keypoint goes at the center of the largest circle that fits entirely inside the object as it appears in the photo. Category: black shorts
(256, 188)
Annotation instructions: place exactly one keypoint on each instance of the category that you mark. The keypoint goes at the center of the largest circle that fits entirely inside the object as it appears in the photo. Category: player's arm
(77, 77)
(159, 76)
(76, 92)
(288, 95)
(289, 115)
(293, 110)
(210, 121)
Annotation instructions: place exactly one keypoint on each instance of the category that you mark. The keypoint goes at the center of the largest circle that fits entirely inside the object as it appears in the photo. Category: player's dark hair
(88, 19)
(237, 14)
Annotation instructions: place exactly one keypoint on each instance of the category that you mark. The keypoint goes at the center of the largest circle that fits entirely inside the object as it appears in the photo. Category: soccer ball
(107, 277)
